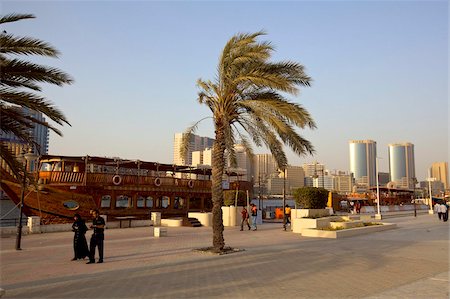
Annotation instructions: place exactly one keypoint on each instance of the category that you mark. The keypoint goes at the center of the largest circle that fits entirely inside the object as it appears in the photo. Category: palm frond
(272, 102)
(15, 77)
(25, 46)
(251, 129)
(245, 143)
(15, 17)
(274, 145)
(12, 120)
(33, 102)
(17, 73)
(11, 161)
(187, 135)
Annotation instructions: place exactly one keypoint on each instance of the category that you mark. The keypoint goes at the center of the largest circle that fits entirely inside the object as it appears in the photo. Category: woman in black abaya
(80, 246)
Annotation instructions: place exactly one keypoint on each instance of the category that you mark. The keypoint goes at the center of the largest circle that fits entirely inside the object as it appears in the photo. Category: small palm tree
(19, 87)
(247, 99)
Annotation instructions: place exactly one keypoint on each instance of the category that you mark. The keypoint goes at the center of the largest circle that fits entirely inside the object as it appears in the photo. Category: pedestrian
(437, 209)
(245, 216)
(287, 214)
(254, 212)
(443, 211)
(98, 237)
(447, 206)
(80, 247)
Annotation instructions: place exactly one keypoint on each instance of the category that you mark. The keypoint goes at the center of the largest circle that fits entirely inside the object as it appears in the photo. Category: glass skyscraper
(363, 155)
(401, 164)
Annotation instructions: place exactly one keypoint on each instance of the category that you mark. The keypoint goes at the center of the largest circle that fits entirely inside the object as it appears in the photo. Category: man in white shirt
(437, 210)
(443, 210)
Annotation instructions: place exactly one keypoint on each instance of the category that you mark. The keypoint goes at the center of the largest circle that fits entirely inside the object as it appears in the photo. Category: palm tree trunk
(217, 191)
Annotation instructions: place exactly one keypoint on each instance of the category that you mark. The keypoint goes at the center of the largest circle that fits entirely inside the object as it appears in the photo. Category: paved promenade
(411, 261)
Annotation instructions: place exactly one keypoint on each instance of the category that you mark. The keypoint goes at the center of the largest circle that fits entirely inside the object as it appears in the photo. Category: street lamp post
(284, 198)
(414, 196)
(430, 211)
(378, 215)
(26, 157)
(259, 183)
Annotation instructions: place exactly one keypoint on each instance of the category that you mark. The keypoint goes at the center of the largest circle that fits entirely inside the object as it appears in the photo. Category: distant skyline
(379, 69)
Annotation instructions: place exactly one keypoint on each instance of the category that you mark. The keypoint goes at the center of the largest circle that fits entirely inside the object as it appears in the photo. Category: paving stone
(411, 261)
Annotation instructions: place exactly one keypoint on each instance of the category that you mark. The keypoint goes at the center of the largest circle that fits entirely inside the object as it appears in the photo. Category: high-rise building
(314, 169)
(439, 170)
(363, 155)
(401, 164)
(275, 185)
(38, 132)
(196, 143)
(265, 167)
(202, 157)
(343, 183)
(325, 182)
(295, 177)
(309, 181)
(243, 163)
(314, 173)
(197, 158)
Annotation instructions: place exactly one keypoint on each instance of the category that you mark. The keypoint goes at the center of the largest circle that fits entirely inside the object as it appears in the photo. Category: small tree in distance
(311, 197)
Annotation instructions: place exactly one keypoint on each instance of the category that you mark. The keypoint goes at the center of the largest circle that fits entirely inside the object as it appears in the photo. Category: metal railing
(78, 178)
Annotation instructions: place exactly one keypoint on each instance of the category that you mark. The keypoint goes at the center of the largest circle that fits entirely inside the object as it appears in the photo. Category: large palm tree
(19, 87)
(248, 103)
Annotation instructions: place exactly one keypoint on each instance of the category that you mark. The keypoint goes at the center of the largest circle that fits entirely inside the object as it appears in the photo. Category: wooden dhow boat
(65, 185)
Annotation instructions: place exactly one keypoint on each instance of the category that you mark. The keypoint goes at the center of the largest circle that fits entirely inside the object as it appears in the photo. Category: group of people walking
(442, 210)
(245, 217)
(80, 246)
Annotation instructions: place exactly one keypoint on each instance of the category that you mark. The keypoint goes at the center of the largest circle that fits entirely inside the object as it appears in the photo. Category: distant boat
(66, 185)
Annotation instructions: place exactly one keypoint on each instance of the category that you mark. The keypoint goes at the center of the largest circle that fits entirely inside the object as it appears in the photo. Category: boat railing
(78, 178)
(61, 177)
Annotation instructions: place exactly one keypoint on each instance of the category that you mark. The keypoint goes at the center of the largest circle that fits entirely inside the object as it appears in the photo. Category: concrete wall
(34, 226)
(204, 218)
(347, 232)
(300, 213)
(172, 222)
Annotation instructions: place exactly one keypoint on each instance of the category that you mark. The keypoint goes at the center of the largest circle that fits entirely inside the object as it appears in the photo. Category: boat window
(149, 202)
(140, 202)
(178, 203)
(123, 201)
(163, 202)
(46, 166)
(106, 201)
(57, 166)
(71, 205)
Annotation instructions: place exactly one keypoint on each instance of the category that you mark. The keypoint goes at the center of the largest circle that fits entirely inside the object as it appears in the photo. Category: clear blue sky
(380, 71)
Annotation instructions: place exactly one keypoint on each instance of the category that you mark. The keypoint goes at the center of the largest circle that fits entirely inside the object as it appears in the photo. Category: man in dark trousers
(98, 224)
